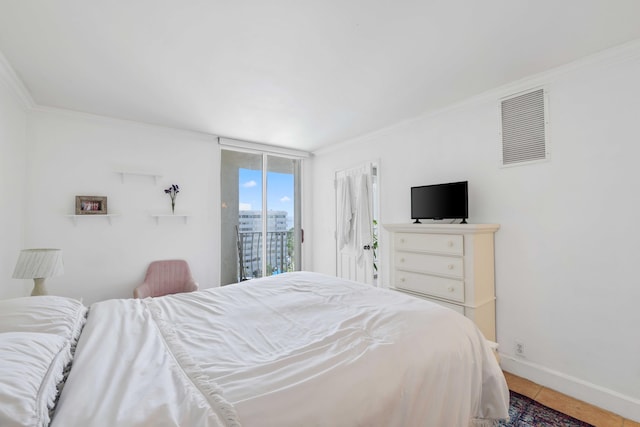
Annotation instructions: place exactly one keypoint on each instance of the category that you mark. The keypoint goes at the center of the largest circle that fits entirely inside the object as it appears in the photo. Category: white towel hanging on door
(363, 221)
(345, 211)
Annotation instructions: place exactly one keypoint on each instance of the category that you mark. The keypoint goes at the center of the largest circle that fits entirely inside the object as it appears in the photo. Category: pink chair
(166, 277)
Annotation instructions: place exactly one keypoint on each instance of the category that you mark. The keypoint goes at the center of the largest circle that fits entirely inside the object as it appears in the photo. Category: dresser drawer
(424, 263)
(450, 244)
(454, 307)
(441, 287)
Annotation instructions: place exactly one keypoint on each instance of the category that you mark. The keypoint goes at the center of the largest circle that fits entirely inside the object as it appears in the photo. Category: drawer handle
(402, 279)
(450, 266)
(450, 243)
(401, 240)
(451, 289)
(401, 259)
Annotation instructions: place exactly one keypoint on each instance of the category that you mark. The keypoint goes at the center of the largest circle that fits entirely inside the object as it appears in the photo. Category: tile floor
(567, 405)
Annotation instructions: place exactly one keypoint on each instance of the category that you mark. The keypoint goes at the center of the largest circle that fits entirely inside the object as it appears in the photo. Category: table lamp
(38, 264)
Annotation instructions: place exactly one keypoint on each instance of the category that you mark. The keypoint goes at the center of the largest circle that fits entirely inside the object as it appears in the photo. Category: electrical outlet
(519, 349)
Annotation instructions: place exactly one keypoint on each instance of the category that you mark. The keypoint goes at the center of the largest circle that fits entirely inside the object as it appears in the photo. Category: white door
(355, 218)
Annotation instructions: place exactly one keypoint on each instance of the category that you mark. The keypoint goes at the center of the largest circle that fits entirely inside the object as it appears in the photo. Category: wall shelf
(74, 218)
(123, 175)
(183, 216)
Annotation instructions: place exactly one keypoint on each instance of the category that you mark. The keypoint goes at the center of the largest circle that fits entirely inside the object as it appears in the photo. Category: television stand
(464, 221)
(417, 221)
(446, 264)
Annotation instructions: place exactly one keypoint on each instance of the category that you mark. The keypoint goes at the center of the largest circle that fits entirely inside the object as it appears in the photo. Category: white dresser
(450, 264)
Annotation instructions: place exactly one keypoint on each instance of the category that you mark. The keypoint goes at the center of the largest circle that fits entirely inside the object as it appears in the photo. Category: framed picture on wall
(91, 205)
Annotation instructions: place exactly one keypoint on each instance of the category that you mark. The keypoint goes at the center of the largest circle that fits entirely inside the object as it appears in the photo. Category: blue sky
(279, 191)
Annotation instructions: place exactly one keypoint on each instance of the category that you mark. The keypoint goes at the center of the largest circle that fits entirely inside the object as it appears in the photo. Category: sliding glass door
(282, 219)
(260, 215)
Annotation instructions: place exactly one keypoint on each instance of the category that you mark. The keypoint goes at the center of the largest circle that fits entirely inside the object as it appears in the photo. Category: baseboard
(610, 400)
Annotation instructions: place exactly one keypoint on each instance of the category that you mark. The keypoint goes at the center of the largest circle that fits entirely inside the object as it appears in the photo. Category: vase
(173, 207)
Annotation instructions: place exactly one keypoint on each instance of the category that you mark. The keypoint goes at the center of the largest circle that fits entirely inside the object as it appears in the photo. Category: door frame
(374, 168)
(265, 150)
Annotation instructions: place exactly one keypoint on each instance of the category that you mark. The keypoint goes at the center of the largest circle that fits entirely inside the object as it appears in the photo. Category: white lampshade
(38, 264)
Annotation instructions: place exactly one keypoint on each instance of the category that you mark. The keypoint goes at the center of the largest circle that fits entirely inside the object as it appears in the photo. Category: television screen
(440, 201)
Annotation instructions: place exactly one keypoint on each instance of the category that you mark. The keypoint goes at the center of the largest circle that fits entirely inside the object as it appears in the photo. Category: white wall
(13, 126)
(565, 253)
(568, 248)
(72, 154)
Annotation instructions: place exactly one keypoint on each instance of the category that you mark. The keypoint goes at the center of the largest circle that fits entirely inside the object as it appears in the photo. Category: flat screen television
(440, 201)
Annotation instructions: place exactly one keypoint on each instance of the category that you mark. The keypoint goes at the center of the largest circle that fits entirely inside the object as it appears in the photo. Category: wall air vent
(524, 128)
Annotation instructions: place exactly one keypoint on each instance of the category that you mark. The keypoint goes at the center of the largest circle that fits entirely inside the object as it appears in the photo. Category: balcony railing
(279, 253)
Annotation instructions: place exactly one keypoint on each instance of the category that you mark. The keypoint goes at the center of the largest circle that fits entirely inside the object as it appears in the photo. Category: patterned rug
(525, 412)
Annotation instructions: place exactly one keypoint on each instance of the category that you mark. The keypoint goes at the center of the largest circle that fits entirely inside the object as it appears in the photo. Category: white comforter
(297, 349)
(36, 337)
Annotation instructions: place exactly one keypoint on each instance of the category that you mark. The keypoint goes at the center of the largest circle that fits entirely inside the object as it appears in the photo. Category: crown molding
(629, 51)
(209, 137)
(11, 79)
(23, 96)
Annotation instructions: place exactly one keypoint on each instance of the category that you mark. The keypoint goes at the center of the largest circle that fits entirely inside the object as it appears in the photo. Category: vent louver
(524, 136)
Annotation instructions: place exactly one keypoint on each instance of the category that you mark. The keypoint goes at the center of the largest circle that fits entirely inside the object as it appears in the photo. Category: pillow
(47, 314)
(31, 366)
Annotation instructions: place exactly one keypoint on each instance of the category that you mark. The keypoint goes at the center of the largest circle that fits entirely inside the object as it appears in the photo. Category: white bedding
(44, 314)
(36, 337)
(298, 349)
(31, 366)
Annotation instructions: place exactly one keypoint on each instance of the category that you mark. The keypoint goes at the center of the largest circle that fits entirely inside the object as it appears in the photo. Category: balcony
(279, 258)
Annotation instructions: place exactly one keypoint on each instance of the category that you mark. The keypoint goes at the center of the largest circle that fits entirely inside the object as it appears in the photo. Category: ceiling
(299, 74)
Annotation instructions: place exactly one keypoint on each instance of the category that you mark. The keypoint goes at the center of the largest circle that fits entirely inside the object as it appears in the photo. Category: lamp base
(38, 287)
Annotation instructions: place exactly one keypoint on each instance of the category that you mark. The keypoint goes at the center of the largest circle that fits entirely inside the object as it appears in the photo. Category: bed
(37, 337)
(296, 349)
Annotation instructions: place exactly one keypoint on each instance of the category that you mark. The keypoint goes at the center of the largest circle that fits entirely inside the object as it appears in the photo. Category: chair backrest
(167, 276)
